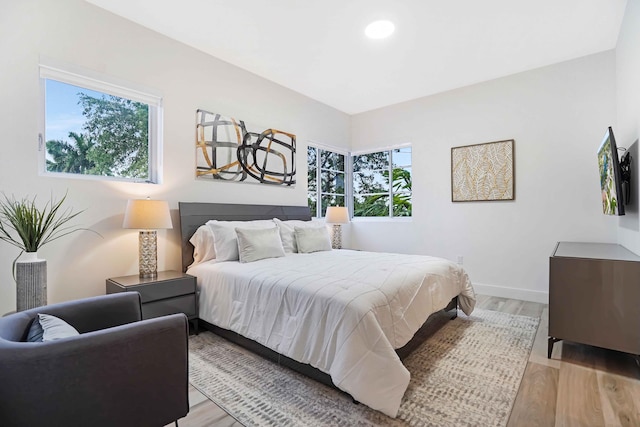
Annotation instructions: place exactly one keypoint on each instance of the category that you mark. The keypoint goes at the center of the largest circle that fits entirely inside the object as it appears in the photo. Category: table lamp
(337, 215)
(148, 216)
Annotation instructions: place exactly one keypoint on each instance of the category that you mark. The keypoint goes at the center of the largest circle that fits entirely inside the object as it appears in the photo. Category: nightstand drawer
(165, 289)
(169, 292)
(168, 284)
(185, 304)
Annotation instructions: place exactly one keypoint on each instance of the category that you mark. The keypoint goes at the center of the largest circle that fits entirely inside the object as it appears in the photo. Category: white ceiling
(318, 48)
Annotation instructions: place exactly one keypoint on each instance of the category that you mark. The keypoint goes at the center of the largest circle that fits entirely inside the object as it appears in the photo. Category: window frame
(88, 79)
(390, 192)
(347, 175)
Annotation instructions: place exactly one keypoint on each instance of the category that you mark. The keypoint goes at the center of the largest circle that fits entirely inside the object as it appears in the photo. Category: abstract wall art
(483, 172)
(227, 149)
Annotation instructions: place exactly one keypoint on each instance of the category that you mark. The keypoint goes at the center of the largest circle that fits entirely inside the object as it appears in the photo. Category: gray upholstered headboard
(193, 215)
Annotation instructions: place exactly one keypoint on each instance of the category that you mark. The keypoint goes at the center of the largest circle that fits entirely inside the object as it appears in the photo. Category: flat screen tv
(610, 176)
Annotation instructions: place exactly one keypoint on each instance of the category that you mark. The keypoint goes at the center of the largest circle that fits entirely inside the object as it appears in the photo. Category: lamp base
(336, 240)
(148, 275)
(148, 253)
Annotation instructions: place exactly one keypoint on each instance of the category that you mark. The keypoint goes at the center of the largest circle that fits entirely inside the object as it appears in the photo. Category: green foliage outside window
(378, 180)
(113, 140)
(374, 189)
(312, 174)
(330, 190)
(401, 192)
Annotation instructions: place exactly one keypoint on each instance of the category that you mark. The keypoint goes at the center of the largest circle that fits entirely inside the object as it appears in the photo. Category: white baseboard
(513, 293)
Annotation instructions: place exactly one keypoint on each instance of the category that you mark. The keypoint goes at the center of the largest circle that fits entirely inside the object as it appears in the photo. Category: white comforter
(344, 312)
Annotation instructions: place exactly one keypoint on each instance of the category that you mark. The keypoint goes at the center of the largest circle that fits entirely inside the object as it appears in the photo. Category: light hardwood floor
(579, 386)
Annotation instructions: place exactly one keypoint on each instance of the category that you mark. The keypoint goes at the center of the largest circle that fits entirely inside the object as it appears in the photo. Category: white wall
(557, 116)
(627, 130)
(79, 33)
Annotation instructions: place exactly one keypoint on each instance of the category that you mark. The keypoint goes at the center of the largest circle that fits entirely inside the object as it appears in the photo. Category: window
(382, 183)
(326, 178)
(95, 128)
(376, 184)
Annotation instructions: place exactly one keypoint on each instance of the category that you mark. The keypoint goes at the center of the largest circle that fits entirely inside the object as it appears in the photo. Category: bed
(344, 317)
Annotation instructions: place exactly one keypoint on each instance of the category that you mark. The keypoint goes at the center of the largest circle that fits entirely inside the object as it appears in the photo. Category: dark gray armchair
(120, 370)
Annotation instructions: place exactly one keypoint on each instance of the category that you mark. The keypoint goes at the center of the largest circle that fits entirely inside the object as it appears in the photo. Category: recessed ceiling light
(379, 29)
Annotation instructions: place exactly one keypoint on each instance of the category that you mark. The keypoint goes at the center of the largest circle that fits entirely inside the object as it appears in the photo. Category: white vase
(28, 257)
(31, 281)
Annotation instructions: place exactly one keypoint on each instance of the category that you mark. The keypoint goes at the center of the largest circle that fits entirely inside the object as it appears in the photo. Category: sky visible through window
(63, 111)
(89, 132)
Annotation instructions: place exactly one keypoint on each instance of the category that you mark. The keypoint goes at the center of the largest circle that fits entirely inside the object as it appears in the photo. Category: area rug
(466, 374)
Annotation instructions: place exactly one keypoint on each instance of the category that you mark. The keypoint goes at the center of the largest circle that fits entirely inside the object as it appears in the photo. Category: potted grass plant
(28, 227)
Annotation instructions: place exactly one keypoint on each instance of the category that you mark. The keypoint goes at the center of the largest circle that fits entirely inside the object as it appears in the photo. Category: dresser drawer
(184, 304)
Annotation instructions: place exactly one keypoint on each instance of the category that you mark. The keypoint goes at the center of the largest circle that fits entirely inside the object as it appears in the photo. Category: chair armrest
(92, 314)
(135, 374)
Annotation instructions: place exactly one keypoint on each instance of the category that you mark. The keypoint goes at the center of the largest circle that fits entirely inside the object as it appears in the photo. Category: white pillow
(312, 239)
(203, 248)
(224, 236)
(55, 328)
(257, 244)
(287, 232)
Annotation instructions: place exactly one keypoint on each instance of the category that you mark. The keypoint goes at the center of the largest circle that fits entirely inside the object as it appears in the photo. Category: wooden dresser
(594, 296)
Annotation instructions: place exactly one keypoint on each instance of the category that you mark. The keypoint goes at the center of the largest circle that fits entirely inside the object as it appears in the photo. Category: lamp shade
(337, 215)
(147, 214)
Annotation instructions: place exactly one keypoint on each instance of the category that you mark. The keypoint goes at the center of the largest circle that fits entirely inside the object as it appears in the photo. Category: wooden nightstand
(168, 293)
